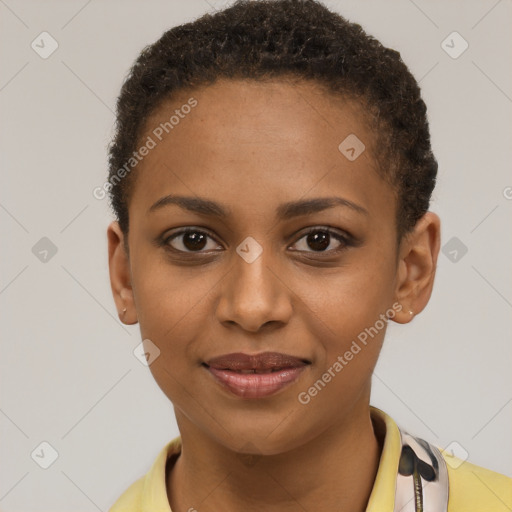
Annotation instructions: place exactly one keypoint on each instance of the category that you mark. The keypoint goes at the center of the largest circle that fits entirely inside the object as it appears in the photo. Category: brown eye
(320, 239)
(191, 241)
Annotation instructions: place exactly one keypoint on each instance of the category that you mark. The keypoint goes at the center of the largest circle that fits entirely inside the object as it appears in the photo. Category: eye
(316, 240)
(190, 240)
(320, 239)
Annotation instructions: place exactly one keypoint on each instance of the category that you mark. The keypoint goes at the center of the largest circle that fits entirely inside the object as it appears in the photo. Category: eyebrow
(284, 211)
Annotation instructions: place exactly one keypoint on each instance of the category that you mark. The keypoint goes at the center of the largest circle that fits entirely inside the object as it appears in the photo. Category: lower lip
(256, 385)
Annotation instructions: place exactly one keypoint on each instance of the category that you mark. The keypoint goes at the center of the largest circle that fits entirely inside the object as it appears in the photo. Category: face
(289, 248)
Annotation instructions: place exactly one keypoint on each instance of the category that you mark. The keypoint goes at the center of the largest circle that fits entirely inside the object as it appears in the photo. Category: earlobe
(120, 276)
(417, 267)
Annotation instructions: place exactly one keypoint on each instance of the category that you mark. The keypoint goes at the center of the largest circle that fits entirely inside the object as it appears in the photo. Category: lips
(259, 363)
(255, 376)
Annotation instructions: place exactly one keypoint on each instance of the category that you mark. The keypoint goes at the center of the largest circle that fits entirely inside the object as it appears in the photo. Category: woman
(271, 176)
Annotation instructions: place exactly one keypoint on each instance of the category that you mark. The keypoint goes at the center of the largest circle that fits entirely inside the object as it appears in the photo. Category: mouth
(255, 376)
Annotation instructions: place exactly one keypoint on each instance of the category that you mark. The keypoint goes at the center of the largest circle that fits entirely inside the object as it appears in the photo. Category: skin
(252, 146)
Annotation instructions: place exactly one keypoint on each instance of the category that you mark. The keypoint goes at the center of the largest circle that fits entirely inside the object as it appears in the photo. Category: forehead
(255, 141)
(265, 111)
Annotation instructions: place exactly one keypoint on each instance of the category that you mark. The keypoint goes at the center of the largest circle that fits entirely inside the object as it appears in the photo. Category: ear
(417, 267)
(120, 276)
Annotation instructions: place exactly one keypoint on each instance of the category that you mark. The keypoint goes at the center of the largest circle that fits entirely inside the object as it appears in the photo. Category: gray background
(68, 373)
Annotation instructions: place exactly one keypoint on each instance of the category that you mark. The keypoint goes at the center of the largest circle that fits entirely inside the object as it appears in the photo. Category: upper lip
(264, 361)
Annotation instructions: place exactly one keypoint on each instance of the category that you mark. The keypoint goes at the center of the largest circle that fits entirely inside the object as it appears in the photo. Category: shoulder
(463, 486)
(130, 500)
(149, 492)
(474, 488)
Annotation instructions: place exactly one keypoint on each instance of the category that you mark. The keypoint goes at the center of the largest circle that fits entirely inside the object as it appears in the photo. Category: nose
(253, 296)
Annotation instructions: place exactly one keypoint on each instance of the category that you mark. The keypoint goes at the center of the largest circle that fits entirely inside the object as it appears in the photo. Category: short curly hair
(303, 39)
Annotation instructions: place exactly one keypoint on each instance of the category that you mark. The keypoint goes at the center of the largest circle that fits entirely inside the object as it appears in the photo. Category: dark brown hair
(259, 39)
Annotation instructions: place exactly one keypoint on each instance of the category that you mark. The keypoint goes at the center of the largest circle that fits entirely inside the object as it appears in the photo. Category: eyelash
(346, 240)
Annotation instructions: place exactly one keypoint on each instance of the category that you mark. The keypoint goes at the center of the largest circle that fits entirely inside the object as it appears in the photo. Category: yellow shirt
(470, 488)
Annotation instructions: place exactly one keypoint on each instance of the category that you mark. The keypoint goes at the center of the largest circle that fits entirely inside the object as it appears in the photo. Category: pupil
(194, 241)
(318, 240)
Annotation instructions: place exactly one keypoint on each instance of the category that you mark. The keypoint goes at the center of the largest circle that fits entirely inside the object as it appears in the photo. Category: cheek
(349, 300)
(348, 321)
(173, 305)
(156, 286)
(173, 308)
(349, 324)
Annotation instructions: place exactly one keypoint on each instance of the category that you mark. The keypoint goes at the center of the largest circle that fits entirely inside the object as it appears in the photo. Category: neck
(334, 471)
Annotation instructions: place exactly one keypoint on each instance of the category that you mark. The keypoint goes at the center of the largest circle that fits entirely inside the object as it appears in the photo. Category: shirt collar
(382, 497)
(154, 494)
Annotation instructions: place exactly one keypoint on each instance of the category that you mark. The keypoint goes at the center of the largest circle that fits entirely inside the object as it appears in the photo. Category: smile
(255, 376)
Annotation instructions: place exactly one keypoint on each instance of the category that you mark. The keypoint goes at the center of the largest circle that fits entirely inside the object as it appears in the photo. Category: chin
(265, 440)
